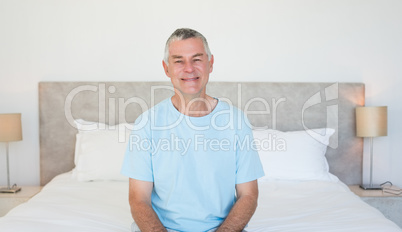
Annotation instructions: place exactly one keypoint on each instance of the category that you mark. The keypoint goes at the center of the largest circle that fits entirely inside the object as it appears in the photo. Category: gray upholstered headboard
(281, 106)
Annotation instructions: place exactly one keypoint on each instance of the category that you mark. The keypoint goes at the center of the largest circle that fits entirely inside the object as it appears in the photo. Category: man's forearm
(240, 214)
(146, 218)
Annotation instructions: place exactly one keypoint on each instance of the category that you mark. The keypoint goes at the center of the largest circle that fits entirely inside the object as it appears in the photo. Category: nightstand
(11, 200)
(389, 204)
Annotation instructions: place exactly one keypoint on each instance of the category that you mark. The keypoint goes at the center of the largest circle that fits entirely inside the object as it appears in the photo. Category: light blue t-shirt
(194, 162)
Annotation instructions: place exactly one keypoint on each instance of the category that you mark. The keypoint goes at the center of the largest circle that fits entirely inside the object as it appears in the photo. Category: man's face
(188, 67)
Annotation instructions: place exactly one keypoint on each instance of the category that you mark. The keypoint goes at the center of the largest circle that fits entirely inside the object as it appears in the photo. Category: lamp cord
(388, 187)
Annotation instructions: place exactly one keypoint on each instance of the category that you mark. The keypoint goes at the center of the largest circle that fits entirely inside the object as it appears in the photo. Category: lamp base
(371, 187)
(13, 189)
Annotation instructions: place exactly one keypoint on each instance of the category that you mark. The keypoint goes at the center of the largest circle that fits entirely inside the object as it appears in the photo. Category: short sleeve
(248, 164)
(137, 162)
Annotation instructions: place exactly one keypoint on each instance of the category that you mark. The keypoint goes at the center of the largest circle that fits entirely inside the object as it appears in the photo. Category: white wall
(271, 40)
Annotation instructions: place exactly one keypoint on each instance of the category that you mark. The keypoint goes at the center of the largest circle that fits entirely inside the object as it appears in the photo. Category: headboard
(281, 106)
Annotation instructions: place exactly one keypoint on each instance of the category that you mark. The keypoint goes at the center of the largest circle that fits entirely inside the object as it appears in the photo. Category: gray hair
(182, 34)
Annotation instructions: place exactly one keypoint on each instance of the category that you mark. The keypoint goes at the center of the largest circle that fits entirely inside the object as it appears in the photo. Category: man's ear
(166, 68)
(211, 64)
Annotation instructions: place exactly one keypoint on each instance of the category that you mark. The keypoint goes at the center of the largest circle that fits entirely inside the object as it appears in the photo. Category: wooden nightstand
(11, 200)
(389, 204)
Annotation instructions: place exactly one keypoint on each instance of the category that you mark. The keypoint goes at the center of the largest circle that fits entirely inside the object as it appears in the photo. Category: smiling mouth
(190, 79)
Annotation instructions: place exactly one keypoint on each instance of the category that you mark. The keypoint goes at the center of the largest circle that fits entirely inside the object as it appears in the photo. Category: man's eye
(178, 61)
(197, 60)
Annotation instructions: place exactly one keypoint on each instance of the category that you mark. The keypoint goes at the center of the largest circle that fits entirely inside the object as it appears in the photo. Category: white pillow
(295, 155)
(99, 152)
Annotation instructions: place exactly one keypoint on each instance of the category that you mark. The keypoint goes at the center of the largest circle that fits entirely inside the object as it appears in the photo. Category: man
(206, 179)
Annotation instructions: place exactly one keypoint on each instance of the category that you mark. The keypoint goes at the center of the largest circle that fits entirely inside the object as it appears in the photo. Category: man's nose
(189, 67)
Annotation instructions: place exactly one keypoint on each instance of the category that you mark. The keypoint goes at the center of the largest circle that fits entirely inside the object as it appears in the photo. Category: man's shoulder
(228, 106)
(153, 111)
(164, 105)
(229, 115)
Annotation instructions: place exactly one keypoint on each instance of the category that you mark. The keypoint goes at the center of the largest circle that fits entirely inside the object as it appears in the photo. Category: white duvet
(68, 205)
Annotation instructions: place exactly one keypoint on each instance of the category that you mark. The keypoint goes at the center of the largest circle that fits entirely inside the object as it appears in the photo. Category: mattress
(66, 204)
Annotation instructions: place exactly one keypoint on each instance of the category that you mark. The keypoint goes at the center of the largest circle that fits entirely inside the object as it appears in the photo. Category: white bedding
(69, 205)
(314, 206)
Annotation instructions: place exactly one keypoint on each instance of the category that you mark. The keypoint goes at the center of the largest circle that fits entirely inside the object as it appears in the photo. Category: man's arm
(141, 207)
(243, 209)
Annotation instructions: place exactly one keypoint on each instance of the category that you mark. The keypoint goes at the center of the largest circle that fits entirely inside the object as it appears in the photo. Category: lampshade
(371, 121)
(10, 127)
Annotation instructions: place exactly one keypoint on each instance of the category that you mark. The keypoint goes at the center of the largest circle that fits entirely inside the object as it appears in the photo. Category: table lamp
(371, 122)
(10, 130)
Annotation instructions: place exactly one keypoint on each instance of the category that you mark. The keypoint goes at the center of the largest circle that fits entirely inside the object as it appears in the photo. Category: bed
(84, 129)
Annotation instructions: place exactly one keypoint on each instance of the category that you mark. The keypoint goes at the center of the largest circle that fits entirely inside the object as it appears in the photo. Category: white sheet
(314, 206)
(68, 205)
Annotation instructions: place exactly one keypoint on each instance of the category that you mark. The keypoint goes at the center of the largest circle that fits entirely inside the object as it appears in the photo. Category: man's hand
(141, 207)
(243, 209)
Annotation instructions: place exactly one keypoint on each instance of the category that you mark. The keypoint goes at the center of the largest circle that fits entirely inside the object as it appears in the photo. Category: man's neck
(194, 106)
